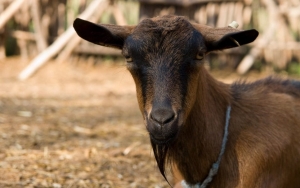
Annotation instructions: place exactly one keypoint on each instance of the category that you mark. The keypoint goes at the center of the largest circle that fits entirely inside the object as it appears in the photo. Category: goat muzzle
(163, 125)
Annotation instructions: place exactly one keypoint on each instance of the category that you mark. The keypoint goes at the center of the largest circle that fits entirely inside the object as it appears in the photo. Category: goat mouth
(163, 140)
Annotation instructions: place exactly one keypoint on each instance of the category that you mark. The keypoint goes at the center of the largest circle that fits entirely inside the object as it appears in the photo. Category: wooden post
(61, 41)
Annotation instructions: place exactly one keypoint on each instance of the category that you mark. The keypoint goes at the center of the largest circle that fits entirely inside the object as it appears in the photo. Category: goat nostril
(162, 116)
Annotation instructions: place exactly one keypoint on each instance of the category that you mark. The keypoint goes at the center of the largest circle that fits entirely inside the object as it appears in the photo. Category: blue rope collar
(215, 167)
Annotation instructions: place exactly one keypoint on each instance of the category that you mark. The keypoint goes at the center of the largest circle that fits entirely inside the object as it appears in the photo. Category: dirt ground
(74, 125)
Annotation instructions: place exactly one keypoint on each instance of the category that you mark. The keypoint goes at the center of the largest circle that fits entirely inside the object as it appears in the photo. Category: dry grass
(74, 126)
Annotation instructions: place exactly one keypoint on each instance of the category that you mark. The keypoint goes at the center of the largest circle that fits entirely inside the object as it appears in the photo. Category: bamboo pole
(275, 19)
(100, 50)
(39, 37)
(222, 19)
(238, 13)
(120, 19)
(10, 11)
(24, 51)
(23, 35)
(202, 14)
(230, 13)
(2, 49)
(76, 40)
(247, 14)
(61, 41)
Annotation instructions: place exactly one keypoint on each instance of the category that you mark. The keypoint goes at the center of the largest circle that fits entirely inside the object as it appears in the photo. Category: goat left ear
(224, 38)
(103, 34)
(234, 39)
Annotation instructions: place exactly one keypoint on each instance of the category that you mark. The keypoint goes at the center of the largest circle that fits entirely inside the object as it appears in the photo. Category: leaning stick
(120, 19)
(10, 11)
(61, 41)
(76, 40)
(275, 19)
(256, 50)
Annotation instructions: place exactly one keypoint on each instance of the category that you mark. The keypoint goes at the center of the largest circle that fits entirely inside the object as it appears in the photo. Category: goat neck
(199, 142)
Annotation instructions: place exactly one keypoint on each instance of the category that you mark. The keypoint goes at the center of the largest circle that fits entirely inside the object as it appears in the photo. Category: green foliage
(130, 11)
(294, 68)
(258, 65)
(10, 46)
(10, 43)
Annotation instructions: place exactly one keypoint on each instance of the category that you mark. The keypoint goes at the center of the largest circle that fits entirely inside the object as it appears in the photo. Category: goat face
(164, 56)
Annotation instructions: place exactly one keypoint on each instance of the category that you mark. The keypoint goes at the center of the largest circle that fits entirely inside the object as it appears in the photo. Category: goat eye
(200, 56)
(128, 59)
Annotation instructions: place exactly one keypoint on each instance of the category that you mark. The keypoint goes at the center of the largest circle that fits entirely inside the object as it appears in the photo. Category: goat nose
(162, 116)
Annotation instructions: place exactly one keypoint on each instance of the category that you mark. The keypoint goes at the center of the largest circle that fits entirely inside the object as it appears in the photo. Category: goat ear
(103, 34)
(224, 38)
(233, 39)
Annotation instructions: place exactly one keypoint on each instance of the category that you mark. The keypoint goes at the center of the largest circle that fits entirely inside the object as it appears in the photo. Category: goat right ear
(104, 34)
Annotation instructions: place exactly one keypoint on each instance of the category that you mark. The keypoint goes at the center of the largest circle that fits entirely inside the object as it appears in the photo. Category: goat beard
(161, 156)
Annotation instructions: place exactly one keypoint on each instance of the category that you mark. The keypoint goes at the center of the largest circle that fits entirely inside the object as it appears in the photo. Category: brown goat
(185, 108)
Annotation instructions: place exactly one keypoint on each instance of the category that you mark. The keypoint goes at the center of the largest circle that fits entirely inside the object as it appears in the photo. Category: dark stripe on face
(184, 77)
(144, 77)
(142, 81)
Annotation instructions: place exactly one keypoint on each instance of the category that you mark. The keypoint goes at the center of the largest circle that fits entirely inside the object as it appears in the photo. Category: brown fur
(263, 147)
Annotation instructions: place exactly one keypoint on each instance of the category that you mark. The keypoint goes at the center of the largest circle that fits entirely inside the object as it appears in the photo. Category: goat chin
(163, 134)
(163, 141)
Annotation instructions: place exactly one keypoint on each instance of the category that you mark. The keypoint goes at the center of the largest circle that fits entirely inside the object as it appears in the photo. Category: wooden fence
(277, 21)
(41, 28)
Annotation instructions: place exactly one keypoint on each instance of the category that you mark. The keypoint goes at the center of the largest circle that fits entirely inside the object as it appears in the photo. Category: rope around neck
(215, 167)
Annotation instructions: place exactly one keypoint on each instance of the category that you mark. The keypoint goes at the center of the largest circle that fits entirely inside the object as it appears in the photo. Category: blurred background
(68, 110)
